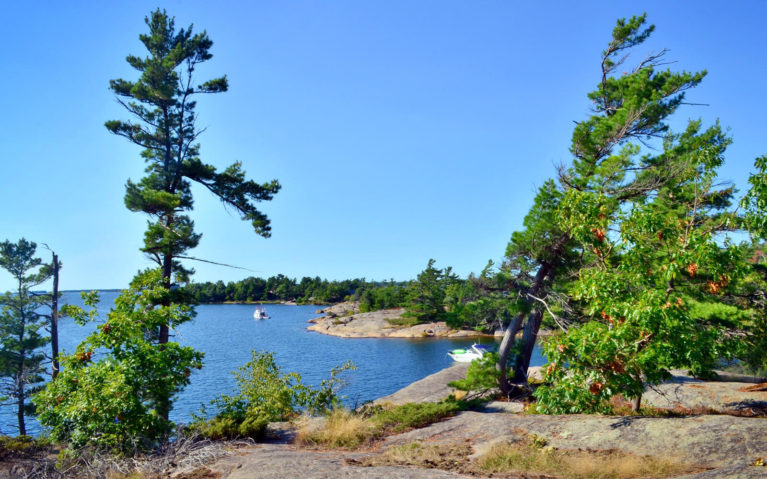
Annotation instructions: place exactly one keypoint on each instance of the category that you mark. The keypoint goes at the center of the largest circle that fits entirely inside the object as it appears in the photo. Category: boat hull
(467, 355)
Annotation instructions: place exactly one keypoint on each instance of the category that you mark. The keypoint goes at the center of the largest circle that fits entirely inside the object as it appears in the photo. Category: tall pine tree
(162, 100)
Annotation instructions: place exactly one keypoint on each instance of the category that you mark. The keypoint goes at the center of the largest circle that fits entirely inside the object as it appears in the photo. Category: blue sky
(400, 130)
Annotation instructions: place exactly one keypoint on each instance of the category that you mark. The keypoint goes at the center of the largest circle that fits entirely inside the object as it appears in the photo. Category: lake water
(227, 333)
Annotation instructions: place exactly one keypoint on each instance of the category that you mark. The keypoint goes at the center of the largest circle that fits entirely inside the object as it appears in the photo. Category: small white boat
(260, 313)
(468, 355)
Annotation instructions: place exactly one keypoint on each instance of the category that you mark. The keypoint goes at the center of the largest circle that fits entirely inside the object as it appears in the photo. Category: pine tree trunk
(504, 350)
(528, 344)
(20, 371)
(636, 403)
(167, 272)
(163, 401)
(20, 405)
(513, 329)
(55, 319)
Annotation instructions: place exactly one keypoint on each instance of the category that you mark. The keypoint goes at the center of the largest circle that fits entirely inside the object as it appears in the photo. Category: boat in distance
(260, 313)
(468, 355)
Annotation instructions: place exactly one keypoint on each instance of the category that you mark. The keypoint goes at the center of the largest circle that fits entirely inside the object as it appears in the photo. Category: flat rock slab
(283, 461)
(711, 441)
(432, 388)
(685, 392)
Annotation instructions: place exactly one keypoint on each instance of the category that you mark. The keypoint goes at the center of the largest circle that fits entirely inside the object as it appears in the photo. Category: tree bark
(55, 319)
(513, 329)
(528, 344)
(167, 273)
(636, 403)
(504, 350)
(20, 383)
(163, 399)
(20, 407)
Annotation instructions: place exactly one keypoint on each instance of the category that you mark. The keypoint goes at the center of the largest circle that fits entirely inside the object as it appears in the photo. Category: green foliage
(481, 376)
(279, 288)
(22, 446)
(162, 100)
(426, 295)
(414, 415)
(265, 395)
(755, 200)
(21, 360)
(651, 291)
(611, 221)
(385, 295)
(110, 389)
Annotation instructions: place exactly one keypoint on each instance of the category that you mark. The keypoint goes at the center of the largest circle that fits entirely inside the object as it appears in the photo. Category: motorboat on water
(260, 313)
(468, 355)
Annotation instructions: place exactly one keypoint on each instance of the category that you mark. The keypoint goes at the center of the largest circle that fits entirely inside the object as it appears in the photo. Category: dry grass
(529, 458)
(345, 429)
(341, 429)
(187, 454)
(577, 464)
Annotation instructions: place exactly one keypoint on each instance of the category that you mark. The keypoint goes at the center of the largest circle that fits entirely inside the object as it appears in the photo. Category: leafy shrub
(264, 395)
(481, 376)
(112, 402)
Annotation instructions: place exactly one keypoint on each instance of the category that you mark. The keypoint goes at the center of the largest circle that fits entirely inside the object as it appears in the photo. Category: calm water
(227, 334)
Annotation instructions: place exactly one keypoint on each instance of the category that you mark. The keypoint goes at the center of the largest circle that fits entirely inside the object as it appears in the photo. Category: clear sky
(400, 130)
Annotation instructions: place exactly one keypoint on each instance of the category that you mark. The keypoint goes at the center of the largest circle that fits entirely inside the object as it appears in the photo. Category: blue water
(227, 333)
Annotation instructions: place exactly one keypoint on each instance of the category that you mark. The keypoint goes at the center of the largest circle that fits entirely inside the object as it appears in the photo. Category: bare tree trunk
(20, 404)
(163, 400)
(167, 273)
(636, 403)
(528, 344)
(504, 350)
(513, 329)
(55, 318)
(20, 373)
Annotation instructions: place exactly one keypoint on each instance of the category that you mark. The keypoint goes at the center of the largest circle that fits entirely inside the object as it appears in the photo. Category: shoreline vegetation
(436, 303)
(422, 430)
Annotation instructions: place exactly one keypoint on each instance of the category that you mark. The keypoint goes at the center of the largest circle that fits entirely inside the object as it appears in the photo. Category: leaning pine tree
(612, 167)
(649, 293)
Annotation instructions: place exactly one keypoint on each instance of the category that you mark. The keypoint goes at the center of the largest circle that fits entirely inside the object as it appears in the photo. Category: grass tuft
(531, 457)
(341, 429)
(348, 429)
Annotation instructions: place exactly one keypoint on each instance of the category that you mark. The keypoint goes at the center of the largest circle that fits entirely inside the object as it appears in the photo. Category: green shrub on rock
(266, 395)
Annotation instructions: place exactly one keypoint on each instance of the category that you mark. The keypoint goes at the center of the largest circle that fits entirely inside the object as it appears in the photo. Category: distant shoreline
(271, 301)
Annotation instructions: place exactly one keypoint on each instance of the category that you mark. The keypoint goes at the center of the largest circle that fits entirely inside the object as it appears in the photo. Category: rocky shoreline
(345, 320)
(723, 443)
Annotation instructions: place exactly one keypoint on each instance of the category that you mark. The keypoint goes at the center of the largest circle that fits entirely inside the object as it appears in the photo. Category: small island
(346, 321)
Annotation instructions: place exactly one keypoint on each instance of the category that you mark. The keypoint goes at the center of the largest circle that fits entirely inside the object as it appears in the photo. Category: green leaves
(265, 395)
(110, 388)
